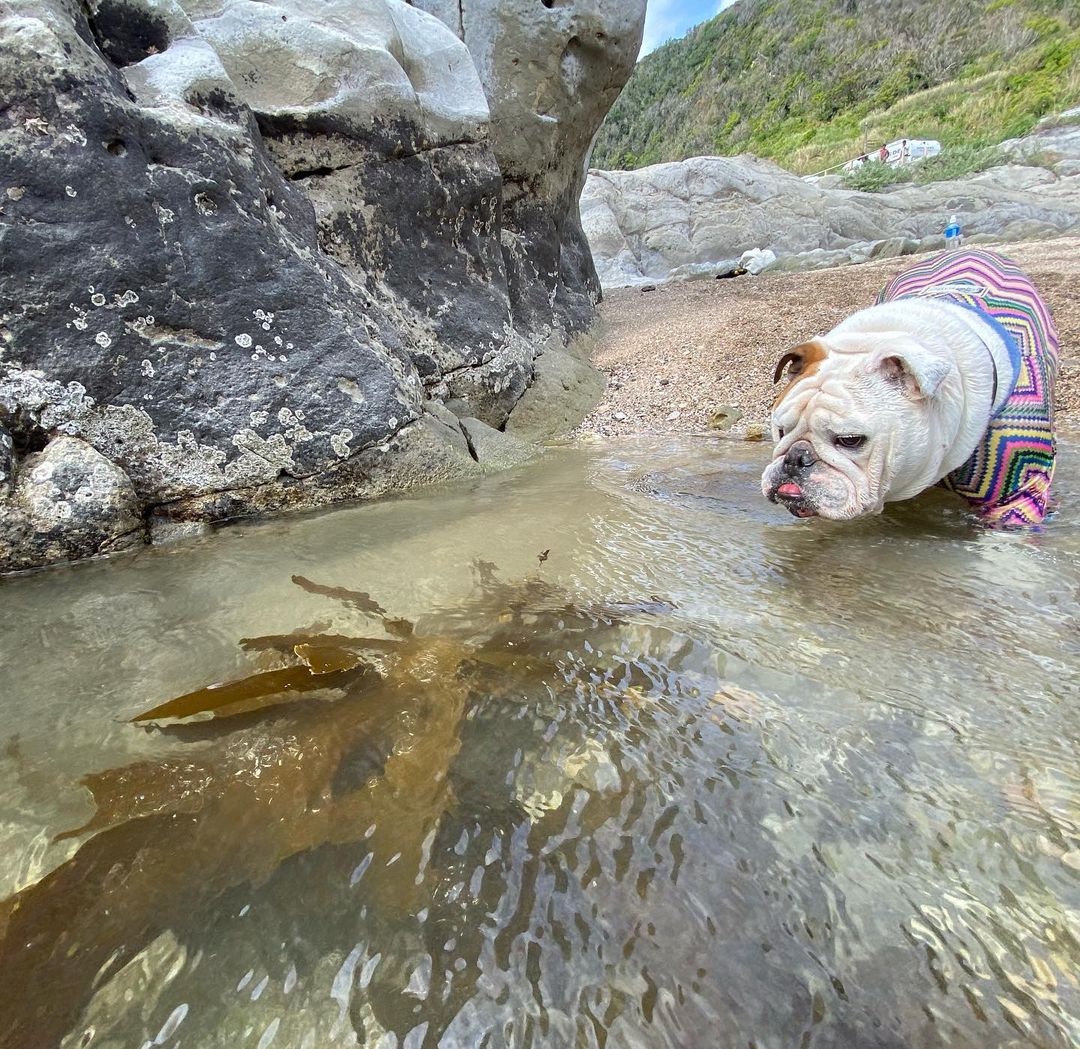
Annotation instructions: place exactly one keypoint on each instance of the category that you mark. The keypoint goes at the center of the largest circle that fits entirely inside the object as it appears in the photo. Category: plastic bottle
(952, 233)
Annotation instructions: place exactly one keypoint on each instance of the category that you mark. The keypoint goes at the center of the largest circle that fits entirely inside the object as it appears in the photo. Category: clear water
(704, 776)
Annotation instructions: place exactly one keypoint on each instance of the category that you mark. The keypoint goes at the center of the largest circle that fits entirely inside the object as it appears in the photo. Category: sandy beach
(676, 356)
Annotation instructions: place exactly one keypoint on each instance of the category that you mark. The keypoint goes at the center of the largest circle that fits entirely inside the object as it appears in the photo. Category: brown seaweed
(486, 572)
(321, 657)
(286, 643)
(267, 688)
(358, 599)
(170, 834)
(398, 627)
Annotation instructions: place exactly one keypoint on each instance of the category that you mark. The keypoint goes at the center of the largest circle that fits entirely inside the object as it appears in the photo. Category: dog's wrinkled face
(852, 425)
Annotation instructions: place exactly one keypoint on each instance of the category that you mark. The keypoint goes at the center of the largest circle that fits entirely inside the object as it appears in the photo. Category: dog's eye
(780, 431)
(850, 441)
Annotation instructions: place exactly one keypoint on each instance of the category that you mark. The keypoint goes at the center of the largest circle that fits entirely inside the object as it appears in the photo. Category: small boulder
(566, 386)
(68, 502)
(493, 449)
(724, 418)
(893, 248)
(756, 259)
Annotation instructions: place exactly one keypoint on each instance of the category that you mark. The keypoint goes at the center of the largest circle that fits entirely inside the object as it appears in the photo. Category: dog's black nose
(800, 456)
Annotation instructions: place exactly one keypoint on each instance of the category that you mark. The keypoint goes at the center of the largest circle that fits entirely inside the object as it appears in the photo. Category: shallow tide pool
(606, 751)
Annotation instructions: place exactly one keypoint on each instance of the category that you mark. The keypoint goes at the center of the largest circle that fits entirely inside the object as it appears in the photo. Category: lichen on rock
(69, 499)
(244, 244)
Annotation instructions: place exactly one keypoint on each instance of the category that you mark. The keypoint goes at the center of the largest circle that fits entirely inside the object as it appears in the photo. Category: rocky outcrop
(244, 246)
(566, 387)
(1055, 146)
(551, 70)
(698, 217)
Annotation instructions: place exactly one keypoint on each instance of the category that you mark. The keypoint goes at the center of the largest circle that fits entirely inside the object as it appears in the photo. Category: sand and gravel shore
(676, 356)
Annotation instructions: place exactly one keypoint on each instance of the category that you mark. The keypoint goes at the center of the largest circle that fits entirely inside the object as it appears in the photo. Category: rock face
(1056, 147)
(244, 244)
(697, 217)
(551, 69)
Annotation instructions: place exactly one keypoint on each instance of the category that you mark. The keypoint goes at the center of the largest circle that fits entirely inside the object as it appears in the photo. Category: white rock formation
(382, 60)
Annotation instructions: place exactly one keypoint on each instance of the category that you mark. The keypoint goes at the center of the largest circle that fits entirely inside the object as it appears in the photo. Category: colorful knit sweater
(1007, 479)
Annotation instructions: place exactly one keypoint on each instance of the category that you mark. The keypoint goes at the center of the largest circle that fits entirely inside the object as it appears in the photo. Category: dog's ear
(801, 359)
(918, 371)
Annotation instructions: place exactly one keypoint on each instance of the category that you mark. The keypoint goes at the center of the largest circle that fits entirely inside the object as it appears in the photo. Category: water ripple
(703, 776)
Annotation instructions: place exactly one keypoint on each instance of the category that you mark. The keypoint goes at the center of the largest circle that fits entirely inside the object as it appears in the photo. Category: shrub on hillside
(954, 162)
(812, 83)
(874, 176)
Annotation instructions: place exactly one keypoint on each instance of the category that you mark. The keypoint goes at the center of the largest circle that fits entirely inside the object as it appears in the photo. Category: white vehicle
(908, 150)
(900, 152)
(895, 154)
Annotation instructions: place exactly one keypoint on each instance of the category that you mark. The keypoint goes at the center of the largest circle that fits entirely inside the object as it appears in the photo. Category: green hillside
(811, 83)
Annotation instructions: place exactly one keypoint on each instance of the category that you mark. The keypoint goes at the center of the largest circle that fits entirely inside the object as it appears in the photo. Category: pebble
(724, 418)
(620, 417)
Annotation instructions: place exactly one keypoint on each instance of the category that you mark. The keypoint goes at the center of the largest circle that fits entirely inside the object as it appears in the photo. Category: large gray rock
(242, 244)
(1053, 147)
(697, 217)
(551, 70)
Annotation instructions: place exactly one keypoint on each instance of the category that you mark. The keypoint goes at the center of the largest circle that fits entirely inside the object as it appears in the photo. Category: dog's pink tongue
(789, 490)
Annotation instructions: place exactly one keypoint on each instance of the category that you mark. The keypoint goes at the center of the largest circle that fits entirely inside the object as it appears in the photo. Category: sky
(665, 19)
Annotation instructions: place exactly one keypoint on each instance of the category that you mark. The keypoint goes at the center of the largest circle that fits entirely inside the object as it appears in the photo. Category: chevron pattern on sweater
(1007, 479)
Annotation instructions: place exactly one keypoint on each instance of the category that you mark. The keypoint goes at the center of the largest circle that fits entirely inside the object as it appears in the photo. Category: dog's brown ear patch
(801, 361)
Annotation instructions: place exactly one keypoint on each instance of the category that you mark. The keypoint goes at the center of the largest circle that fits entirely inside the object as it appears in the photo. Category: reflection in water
(821, 791)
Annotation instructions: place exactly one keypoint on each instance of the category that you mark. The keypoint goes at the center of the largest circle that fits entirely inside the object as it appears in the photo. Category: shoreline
(675, 357)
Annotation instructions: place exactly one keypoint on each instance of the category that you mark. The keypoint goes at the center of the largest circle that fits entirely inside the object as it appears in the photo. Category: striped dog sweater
(1007, 479)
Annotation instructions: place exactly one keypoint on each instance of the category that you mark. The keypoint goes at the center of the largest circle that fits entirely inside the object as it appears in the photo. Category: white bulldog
(885, 405)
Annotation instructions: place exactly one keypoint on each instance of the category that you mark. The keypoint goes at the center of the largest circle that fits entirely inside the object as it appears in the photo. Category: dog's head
(853, 425)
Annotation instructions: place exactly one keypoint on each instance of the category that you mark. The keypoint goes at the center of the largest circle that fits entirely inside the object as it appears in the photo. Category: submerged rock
(244, 244)
(495, 450)
(546, 778)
